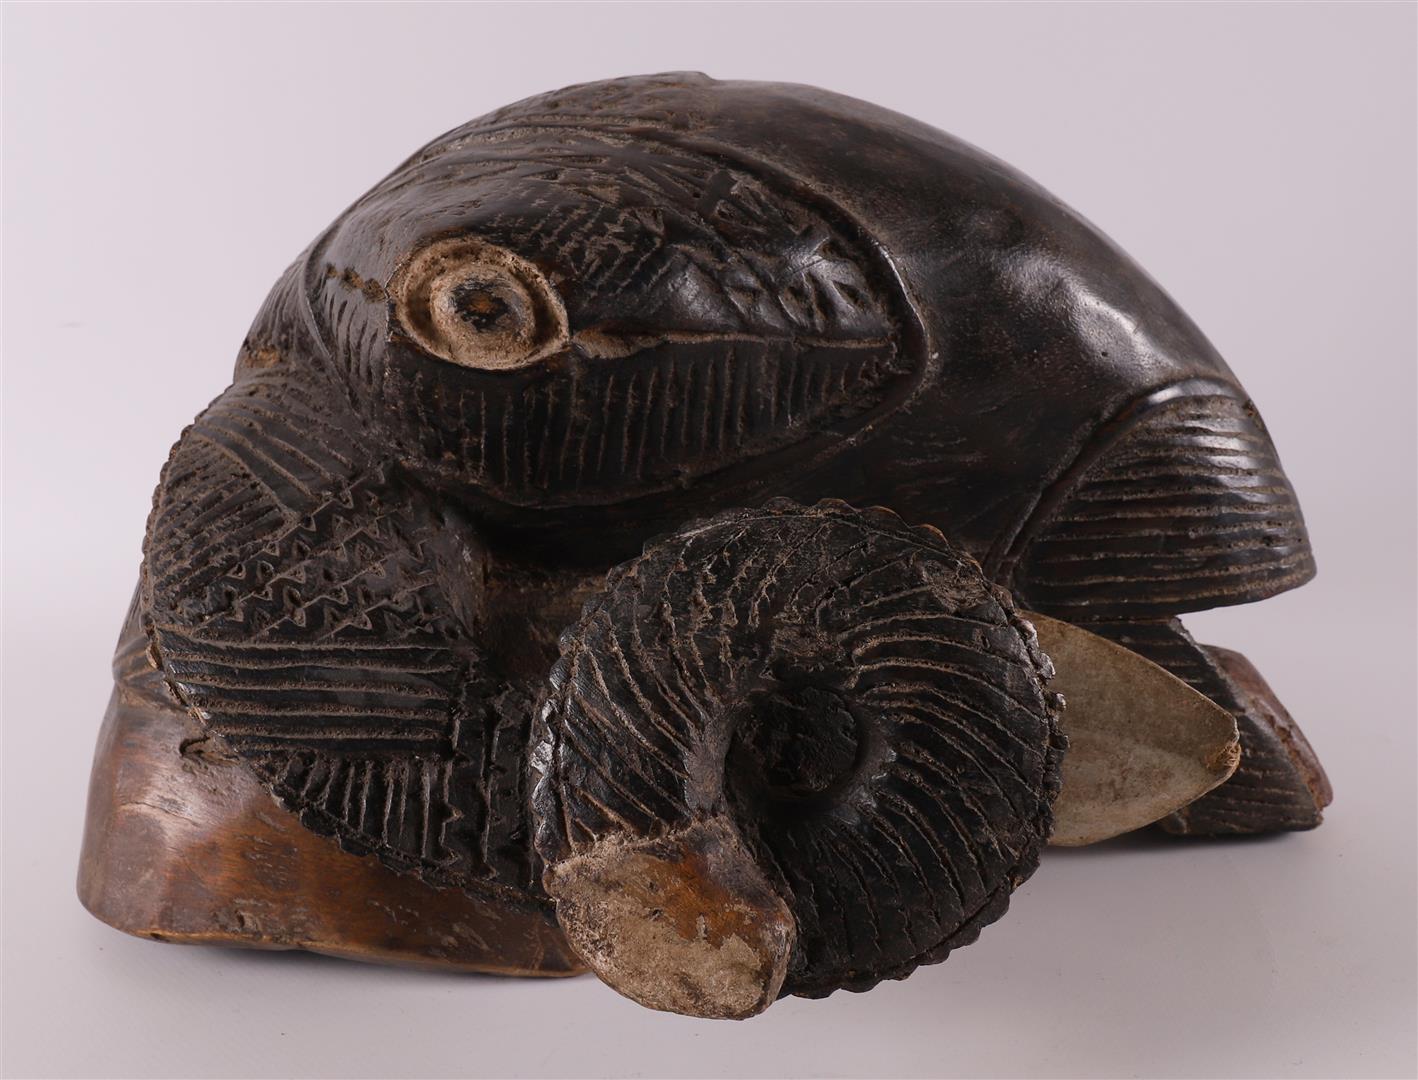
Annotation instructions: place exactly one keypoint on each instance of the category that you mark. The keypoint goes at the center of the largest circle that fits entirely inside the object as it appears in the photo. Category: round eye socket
(478, 305)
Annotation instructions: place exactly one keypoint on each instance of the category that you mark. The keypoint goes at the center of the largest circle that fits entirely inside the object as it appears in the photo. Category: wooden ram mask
(628, 542)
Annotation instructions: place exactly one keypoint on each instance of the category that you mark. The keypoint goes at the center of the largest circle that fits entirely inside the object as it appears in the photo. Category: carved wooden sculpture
(794, 746)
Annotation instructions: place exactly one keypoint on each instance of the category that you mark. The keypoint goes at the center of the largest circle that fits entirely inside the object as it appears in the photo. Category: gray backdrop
(163, 164)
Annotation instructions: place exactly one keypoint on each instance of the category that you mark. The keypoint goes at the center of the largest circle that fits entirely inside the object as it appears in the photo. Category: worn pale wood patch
(1142, 743)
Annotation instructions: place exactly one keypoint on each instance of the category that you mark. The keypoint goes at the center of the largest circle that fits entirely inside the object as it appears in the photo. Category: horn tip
(685, 922)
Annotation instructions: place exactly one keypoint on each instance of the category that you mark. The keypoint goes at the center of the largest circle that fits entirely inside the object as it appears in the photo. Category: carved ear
(789, 751)
(1142, 744)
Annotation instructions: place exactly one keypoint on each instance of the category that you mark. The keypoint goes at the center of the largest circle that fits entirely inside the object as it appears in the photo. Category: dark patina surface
(594, 316)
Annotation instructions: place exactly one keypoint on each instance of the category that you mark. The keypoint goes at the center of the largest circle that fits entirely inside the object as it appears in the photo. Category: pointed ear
(1142, 743)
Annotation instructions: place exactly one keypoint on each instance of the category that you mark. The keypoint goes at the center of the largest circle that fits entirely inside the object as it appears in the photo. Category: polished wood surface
(183, 844)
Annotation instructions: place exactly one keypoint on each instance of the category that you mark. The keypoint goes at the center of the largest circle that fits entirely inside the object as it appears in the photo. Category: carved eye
(478, 305)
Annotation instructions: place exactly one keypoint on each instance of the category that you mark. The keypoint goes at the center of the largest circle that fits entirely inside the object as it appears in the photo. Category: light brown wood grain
(183, 844)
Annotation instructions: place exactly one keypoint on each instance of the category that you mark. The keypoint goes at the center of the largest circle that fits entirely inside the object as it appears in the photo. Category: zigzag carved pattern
(305, 609)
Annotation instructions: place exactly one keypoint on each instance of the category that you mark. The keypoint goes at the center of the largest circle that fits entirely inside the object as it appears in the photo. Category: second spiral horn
(786, 751)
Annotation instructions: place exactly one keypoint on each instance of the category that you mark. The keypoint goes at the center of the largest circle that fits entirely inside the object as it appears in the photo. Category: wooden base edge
(183, 844)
